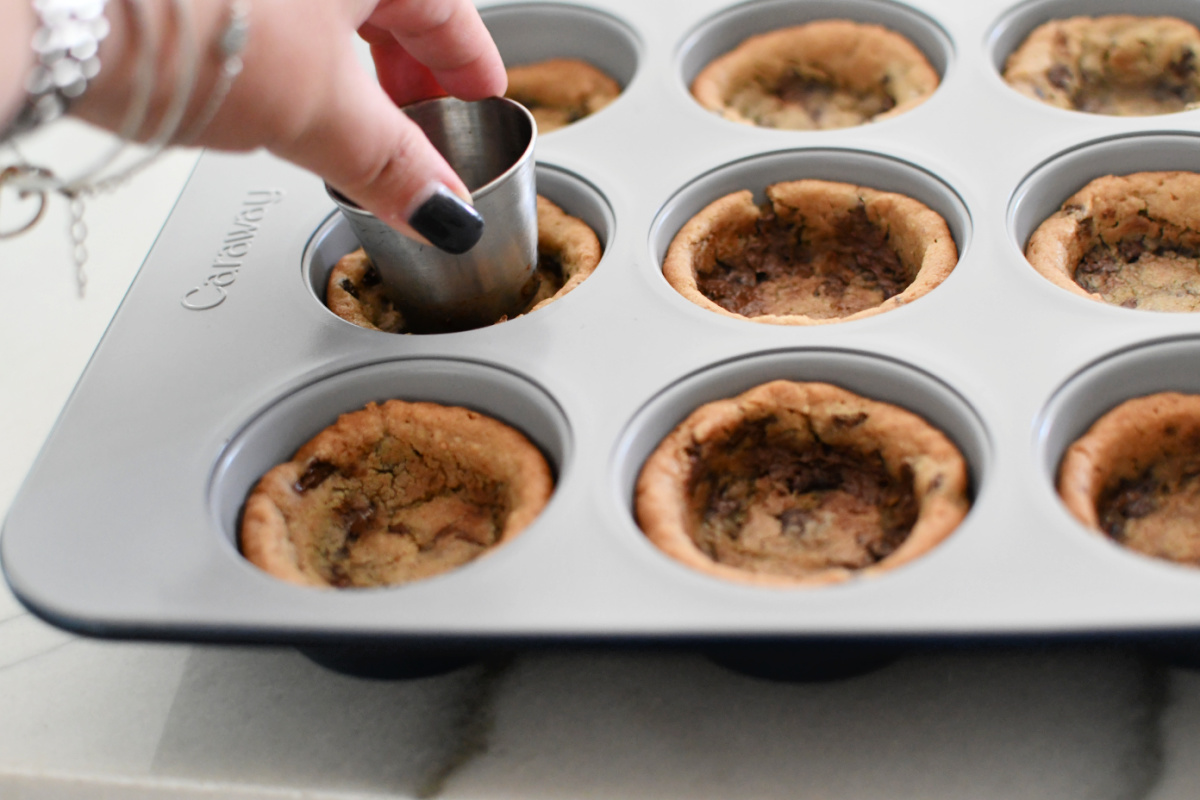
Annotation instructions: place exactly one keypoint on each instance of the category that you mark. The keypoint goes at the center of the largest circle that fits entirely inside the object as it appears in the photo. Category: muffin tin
(223, 360)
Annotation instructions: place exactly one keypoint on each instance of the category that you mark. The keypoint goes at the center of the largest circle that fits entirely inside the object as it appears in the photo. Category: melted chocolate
(852, 270)
(762, 465)
(314, 476)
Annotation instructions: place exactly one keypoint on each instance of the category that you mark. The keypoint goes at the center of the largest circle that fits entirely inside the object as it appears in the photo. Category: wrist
(175, 45)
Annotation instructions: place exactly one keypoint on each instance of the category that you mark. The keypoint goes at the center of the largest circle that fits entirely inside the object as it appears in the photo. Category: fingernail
(447, 222)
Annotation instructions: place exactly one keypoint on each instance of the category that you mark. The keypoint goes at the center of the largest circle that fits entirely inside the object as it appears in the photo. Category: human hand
(304, 95)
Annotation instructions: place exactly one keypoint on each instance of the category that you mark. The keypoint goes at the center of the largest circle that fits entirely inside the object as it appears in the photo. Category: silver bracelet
(65, 45)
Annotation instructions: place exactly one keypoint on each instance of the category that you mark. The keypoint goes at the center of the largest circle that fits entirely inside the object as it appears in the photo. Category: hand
(304, 95)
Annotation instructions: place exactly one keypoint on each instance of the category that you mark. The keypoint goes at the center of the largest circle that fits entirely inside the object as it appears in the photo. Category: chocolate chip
(850, 421)
(793, 521)
(349, 288)
(1059, 76)
(1131, 499)
(1131, 250)
(314, 476)
(1185, 66)
(371, 277)
(357, 519)
(1138, 506)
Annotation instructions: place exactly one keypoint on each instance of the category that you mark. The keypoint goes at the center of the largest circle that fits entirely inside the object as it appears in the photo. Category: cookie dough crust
(560, 91)
(1131, 241)
(394, 493)
(816, 252)
(568, 252)
(800, 484)
(1135, 476)
(1120, 65)
(355, 292)
(821, 75)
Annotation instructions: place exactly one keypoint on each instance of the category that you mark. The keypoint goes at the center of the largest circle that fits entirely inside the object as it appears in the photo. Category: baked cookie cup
(560, 91)
(1131, 241)
(568, 252)
(1119, 65)
(820, 75)
(800, 484)
(394, 493)
(1135, 476)
(816, 252)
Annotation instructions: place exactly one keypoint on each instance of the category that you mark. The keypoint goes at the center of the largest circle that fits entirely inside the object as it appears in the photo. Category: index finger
(447, 36)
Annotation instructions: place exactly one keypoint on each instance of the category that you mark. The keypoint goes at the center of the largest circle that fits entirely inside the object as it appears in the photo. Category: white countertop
(91, 719)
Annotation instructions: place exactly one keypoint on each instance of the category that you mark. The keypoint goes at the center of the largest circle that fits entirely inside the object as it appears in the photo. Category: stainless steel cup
(489, 143)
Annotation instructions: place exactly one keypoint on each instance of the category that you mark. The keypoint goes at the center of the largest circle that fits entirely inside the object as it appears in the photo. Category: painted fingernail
(447, 222)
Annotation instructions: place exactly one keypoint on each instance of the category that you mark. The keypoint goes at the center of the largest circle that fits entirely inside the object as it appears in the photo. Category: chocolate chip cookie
(568, 252)
(560, 91)
(815, 252)
(821, 75)
(1120, 65)
(394, 493)
(801, 483)
(1135, 476)
(1131, 241)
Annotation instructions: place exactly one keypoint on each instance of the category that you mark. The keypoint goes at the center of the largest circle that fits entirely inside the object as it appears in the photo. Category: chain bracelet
(78, 230)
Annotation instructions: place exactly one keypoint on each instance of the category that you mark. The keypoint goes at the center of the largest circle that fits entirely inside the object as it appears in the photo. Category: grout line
(16, 616)
(1146, 771)
(473, 727)
(32, 656)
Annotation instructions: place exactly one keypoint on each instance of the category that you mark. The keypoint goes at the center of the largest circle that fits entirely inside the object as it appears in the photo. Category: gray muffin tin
(223, 360)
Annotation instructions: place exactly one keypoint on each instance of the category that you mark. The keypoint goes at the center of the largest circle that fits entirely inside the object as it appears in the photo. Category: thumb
(372, 153)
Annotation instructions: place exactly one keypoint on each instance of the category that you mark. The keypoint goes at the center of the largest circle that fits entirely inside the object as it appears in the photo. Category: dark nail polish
(447, 222)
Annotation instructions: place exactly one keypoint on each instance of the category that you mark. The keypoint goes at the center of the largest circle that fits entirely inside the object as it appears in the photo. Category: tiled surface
(945, 726)
(143, 721)
(99, 720)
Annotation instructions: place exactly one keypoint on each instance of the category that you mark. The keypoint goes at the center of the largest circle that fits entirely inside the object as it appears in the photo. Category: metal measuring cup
(489, 143)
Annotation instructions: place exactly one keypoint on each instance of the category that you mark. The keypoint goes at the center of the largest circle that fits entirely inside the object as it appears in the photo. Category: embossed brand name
(227, 264)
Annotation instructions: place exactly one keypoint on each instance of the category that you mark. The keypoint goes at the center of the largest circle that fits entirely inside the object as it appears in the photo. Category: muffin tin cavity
(530, 33)
(1045, 190)
(274, 435)
(1012, 29)
(1153, 368)
(862, 169)
(726, 30)
(578, 198)
(871, 376)
(801, 483)
(1166, 366)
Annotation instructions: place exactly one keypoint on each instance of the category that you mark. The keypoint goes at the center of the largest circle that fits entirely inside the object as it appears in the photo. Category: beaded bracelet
(65, 44)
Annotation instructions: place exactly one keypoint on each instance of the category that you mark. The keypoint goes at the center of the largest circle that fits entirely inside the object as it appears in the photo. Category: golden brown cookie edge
(265, 539)
(736, 213)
